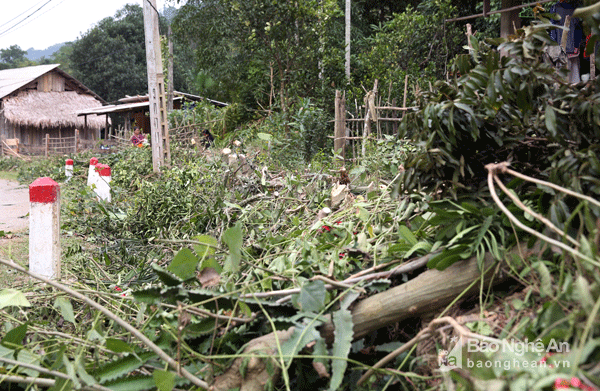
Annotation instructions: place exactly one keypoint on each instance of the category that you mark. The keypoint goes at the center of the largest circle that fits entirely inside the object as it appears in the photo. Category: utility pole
(159, 128)
(348, 28)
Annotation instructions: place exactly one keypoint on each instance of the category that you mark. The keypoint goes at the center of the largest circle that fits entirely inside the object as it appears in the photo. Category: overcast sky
(40, 24)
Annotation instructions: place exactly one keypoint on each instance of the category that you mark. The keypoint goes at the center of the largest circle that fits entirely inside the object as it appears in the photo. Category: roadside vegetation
(231, 275)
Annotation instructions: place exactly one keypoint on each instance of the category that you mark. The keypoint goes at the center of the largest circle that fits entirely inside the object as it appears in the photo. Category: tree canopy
(13, 57)
(110, 58)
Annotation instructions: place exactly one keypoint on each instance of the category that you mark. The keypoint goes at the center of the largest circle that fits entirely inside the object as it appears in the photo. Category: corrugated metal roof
(13, 79)
(112, 108)
(128, 106)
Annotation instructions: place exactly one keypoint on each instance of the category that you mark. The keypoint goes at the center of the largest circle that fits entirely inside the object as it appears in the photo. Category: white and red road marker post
(92, 174)
(103, 182)
(44, 228)
(69, 169)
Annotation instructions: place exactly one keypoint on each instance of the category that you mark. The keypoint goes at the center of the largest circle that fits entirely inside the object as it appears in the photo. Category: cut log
(256, 374)
(428, 292)
(338, 195)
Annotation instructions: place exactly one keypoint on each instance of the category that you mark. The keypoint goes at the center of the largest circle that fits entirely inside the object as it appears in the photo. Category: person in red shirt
(137, 138)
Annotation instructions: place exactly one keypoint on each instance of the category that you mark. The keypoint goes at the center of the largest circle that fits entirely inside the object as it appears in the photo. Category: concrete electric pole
(159, 127)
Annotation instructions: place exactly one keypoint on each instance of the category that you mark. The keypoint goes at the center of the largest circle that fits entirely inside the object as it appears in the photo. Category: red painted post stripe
(93, 161)
(69, 162)
(44, 190)
(103, 169)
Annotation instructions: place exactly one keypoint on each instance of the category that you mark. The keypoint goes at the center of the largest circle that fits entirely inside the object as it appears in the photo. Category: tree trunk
(509, 21)
(431, 290)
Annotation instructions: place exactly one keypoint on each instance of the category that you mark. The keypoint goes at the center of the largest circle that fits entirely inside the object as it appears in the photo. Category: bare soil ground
(14, 206)
(14, 221)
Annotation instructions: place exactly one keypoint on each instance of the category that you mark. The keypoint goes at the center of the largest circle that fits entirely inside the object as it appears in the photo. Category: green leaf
(184, 264)
(202, 327)
(132, 383)
(264, 136)
(301, 337)
(461, 234)
(448, 257)
(164, 380)
(166, 277)
(70, 369)
(13, 297)
(483, 230)
(312, 296)
(82, 373)
(61, 384)
(407, 235)
(233, 238)
(582, 293)
(23, 356)
(122, 367)
(550, 119)
(15, 336)
(207, 246)
(421, 246)
(117, 345)
(150, 295)
(545, 279)
(342, 321)
(465, 107)
(66, 308)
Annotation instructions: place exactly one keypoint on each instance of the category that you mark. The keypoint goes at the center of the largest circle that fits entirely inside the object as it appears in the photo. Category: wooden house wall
(51, 81)
(7, 130)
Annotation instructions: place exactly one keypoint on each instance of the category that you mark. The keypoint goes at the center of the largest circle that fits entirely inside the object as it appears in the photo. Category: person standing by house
(138, 138)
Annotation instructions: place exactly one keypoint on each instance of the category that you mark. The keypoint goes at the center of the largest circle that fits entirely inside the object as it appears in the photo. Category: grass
(14, 247)
(9, 175)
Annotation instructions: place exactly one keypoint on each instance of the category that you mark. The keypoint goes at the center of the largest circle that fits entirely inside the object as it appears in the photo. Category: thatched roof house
(40, 100)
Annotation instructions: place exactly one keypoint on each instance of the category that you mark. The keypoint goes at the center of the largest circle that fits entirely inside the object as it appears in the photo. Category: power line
(22, 20)
(38, 16)
(5, 23)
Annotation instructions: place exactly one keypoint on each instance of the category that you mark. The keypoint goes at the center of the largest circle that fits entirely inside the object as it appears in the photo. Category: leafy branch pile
(210, 276)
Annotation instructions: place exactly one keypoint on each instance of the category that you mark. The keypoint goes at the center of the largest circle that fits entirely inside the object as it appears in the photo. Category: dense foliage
(416, 43)
(512, 108)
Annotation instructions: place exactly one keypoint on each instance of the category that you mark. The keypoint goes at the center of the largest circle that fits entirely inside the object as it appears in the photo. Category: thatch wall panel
(51, 110)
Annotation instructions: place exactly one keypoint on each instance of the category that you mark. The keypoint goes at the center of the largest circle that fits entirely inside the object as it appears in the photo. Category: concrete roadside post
(69, 169)
(92, 175)
(44, 228)
(103, 182)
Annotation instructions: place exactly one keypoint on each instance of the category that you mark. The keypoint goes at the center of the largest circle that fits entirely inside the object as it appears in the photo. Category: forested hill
(35, 55)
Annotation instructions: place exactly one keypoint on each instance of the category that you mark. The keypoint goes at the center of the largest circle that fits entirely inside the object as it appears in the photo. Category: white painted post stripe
(103, 182)
(92, 176)
(44, 228)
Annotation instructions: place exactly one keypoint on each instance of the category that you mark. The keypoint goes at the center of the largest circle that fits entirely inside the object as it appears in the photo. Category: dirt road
(14, 206)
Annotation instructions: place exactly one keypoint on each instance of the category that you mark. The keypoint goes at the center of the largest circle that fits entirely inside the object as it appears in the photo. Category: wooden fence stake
(370, 114)
(44, 228)
(76, 146)
(47, 144)
(339, 138)
(405, 93)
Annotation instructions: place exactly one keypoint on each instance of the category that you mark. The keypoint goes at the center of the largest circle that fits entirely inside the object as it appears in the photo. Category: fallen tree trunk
(427, 292)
